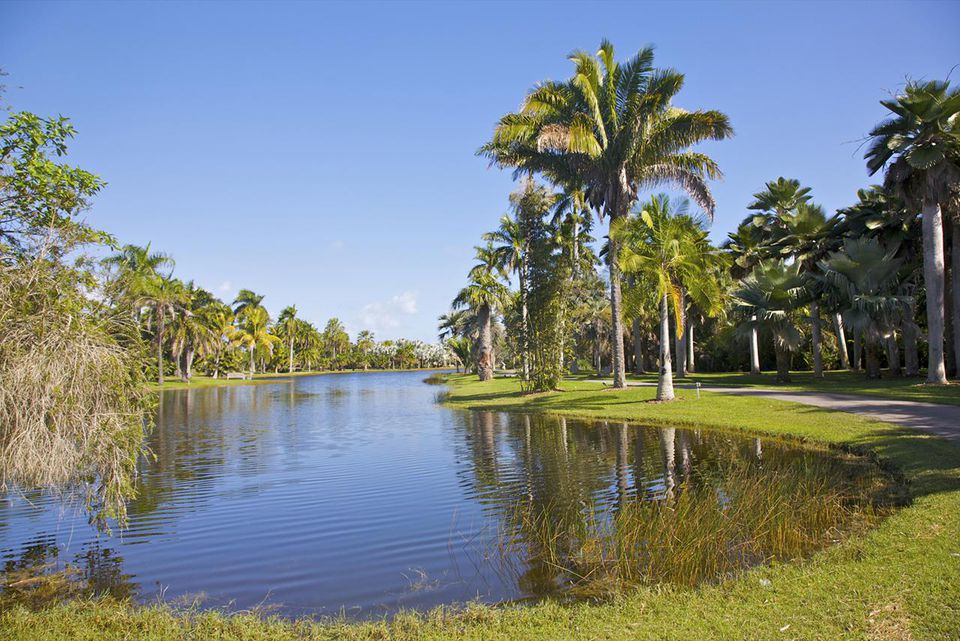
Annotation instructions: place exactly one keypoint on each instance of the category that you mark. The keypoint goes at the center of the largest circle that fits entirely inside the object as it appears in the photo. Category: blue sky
(323, 154)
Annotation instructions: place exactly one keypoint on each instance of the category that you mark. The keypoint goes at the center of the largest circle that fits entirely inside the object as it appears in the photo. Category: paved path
(942, 420)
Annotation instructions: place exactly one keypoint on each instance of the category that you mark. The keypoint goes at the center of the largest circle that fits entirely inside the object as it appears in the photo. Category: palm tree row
(792, 280)
(188, 326)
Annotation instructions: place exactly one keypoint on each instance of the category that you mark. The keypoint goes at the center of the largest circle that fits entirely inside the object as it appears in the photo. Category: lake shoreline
(850, 591)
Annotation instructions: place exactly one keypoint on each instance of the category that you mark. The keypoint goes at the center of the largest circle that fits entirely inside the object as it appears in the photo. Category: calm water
(358, 493)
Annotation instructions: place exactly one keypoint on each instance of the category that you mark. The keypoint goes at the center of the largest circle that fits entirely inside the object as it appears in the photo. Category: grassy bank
(896, 582)
(838, 382)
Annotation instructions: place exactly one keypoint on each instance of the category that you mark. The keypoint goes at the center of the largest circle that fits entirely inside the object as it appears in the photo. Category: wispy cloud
(386, 315)
(225, 287)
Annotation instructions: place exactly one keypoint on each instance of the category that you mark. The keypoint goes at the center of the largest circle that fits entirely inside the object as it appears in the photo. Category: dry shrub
(72, 399)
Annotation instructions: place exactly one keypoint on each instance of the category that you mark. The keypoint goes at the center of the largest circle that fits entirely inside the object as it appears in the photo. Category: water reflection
(357, 492)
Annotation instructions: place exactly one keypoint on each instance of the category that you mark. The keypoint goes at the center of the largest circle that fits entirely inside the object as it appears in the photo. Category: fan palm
(611, 130)
(769, 297)
(919, 145)
(746, 247)
(462, 350)
(865, 277)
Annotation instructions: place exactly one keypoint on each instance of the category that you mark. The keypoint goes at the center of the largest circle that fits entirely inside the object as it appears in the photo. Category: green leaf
(925, 156)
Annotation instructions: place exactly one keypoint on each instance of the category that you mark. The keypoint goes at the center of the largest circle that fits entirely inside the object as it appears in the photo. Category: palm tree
(746, 247)
(246, 299)
(254, 333)
(191, 333)
(865, 277)
(219, 319)
(136, 268)
(462, 350)
(770, 297)
(484, 294)
(365, 342)
(288, 326)
(165, 297)
(611, 130)
(664, 245)
(920, 147)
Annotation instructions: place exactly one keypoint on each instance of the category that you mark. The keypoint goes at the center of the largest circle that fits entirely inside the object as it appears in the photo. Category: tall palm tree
(365, 343)
(919, 145)
(611, 130)
(288, 326)
(484, 294)
(191, 334)
(254, 333)
(770, 297)
(666, 247)
(246, 299)
(164, 297)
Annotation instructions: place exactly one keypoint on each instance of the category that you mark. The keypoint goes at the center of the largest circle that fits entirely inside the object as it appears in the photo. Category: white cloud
(225, 287)
(381, 316)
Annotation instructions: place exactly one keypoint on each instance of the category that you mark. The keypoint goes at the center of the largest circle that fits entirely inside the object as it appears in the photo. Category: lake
(358, 493)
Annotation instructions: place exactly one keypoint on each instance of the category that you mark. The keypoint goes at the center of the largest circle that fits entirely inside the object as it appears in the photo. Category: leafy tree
(164, 298)
(611, 130)
(40, 197)
(254, 334)
(288, 326)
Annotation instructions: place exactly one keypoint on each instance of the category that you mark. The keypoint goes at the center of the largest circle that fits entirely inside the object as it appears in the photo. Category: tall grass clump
(695, 527)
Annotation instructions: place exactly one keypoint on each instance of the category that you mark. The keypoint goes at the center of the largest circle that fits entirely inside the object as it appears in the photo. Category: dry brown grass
(72, 399)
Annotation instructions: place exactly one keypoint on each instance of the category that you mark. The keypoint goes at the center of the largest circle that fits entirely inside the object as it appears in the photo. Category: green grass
(839, 382)
(898, 581)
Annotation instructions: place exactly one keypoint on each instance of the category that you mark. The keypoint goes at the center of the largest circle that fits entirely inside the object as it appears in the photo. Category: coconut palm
(668, 248)
(190, 333)
(611, 130)
(253, 333)
(484, 294)
(919, 145)
(865, 276)
(136, 266)
(770, 297)
(246, 299)
(288, 326)
(164, 298)
(365, 343)
(220, 320)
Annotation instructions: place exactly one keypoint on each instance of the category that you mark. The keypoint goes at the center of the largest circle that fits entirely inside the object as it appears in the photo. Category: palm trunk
(188, 364)
(691, 366)
(290, 366)
(638, 364)
(681, 335)
(665, 380)
(485, 346)
(253, 362)
(841, 341)
(216, 365)
(783, 363)
(525, 323)
(596, 345)
(754, 347)
(857, 351)
(160, 350)
(616, 303)
(873, 361)
(816, 340)
(955, 292)
(893, 354)
(933, 281)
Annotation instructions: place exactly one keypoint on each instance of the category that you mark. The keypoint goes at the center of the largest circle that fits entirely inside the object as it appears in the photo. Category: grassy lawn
(840, 382)
(899, 581)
